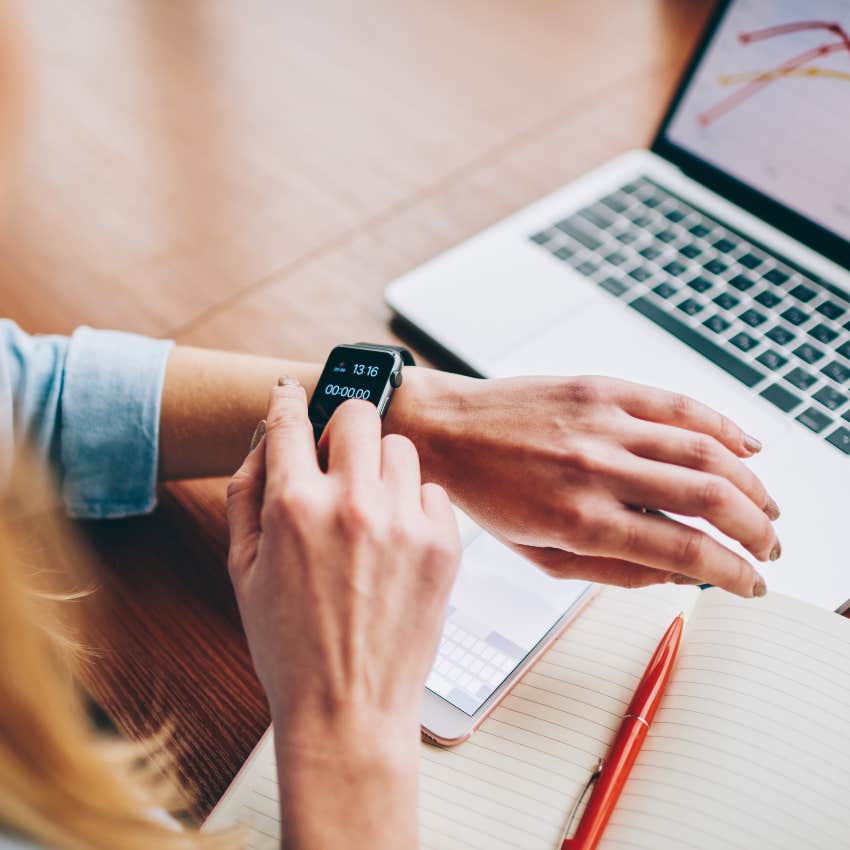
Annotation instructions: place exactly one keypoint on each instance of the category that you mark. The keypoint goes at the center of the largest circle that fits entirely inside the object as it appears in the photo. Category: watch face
(351, 373)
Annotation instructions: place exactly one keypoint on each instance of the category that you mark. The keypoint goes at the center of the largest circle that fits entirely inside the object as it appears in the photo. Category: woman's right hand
(342, 579)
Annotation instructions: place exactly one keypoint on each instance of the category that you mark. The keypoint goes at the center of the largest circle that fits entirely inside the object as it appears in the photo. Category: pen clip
(584, 792)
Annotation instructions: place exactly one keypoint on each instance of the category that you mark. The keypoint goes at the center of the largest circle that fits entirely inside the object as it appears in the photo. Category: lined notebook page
(513, 784)
(751, 745)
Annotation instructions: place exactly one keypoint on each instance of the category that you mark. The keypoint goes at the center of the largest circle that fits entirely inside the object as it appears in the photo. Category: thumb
(244, 504)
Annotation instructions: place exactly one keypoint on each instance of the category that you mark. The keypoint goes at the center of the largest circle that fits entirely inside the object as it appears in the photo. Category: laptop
(715, 263)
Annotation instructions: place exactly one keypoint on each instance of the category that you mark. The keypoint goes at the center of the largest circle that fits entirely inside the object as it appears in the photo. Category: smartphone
(503, 614)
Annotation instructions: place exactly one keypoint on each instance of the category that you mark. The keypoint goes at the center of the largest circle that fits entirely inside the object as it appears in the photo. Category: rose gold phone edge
(533, 656)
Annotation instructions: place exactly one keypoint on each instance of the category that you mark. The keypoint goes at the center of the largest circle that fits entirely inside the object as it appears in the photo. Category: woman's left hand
(572, 472)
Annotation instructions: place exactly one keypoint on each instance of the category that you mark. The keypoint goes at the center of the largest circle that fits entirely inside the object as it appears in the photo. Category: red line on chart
(790, 65)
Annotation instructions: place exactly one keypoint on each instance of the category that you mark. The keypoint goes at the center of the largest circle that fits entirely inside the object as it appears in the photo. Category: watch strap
(406, 356)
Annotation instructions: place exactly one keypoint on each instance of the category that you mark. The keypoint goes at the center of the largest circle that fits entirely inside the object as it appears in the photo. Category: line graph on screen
(796, 66)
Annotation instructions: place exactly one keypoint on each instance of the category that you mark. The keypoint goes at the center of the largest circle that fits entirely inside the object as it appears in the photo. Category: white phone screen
(501, 607)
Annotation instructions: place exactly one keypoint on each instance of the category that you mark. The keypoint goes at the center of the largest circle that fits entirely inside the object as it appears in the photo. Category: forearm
(212, 401)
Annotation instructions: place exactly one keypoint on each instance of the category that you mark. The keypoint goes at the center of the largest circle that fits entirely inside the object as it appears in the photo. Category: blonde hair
(62, 784)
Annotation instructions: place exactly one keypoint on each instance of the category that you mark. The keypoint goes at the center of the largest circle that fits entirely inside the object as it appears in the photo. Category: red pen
(610, 776)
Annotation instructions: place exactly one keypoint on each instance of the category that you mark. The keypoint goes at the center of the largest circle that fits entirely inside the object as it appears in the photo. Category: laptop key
(675, 215)
(831, 310)
(651, 252)
(563, 253)
(809, 353)
(743, 341)
(725, 245)
(717, 324)
(666, 236)
(675, 268)
(800, 378)
(700, 284)
(614, 285)
(541, 238)
(569, 227)
(640, 273)
(595, 216)
(741, 282)
(690, 251)
(726, 301)
(780, 335)
(823, 333)
(617, 258)
(782, 398)
(715, 267)
(768, 299)
(750, 261)
(700, 230)
(627, 237)
(840, 438)
(814, 419)
(831, 399)
(772, 359)
(752, 318)
(665, 290)
(837, 372)
(795, 316)
(641, 221)
(776, 276)
(587, 268)
(844, 350)
(718, 355)
(690, 307)
(615, 203)
(803, 293)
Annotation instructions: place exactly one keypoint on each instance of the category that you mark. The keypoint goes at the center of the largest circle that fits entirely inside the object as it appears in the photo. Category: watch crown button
(395, 379)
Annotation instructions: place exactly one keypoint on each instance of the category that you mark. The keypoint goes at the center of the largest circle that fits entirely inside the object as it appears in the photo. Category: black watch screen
(352, 372)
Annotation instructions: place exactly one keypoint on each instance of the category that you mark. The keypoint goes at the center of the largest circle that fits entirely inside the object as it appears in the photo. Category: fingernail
(776, 551)
(679, 578)
(759, 587)
(287, 381)
(771, 509)
(259, 433)
(751, 444)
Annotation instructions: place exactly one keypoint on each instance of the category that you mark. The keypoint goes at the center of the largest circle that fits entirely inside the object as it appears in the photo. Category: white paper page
(514, 782)
(751, 745)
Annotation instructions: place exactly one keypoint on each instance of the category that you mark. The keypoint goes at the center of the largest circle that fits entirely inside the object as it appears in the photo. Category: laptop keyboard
(775, 327)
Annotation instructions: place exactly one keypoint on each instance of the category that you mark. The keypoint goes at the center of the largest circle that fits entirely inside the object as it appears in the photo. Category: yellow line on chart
(810, 71)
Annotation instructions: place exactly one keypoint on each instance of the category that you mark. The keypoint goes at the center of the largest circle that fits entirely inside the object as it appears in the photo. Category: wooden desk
(250, 175)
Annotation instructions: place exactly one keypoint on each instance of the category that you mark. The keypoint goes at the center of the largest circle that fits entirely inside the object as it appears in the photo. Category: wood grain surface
(250, 174)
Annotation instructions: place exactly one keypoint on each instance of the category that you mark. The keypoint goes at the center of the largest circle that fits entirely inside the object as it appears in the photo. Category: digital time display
(351, 373)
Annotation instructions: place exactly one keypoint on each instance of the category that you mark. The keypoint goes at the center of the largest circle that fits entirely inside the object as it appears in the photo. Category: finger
(244, 504)
(290, 445)
(400, 468)
(661, 486)
(438, 508)
(569, 565)
(658, 541)
(680, 447)
(354, 440)
(654, 405)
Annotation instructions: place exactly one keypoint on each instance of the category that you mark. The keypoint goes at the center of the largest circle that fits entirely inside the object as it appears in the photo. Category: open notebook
(750, 747)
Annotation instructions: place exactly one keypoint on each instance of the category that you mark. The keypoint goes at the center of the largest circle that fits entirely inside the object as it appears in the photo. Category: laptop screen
(767, 103)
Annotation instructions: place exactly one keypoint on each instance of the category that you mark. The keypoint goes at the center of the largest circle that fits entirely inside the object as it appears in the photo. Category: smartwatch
(362, 370)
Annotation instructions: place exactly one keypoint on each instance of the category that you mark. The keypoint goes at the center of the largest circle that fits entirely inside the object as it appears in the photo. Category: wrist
(348, 776)
(429, 408)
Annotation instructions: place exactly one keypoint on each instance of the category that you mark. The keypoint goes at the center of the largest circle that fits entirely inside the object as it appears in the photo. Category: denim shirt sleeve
(89, 404)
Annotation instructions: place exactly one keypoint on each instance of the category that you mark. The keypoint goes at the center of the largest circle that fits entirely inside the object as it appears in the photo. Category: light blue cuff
(109, 445)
